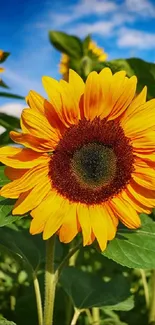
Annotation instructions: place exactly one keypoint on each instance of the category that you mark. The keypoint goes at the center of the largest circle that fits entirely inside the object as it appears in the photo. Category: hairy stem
(76, 315)
(96, 315)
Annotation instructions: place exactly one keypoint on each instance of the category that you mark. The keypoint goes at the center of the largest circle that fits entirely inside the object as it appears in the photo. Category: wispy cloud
(136, 39)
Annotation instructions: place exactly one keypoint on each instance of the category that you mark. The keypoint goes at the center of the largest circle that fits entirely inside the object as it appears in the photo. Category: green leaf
(86, 42)
(71, 45)
(3, 84)
(6, 322)
(3, 179)
(134, 248)
(9, 122)
(4, 56)
(21, 246)
(87, 290)
(6, 206)
(5, 138)
(8, 95)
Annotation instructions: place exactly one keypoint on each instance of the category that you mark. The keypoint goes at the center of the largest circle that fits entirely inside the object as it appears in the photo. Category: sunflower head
(87, 159)
(97, 52)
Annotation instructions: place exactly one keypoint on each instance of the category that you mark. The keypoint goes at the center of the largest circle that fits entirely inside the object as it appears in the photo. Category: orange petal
(34, 143)
(84, 221)
(135, 104)
(32, 198)
(139, 124)
(29, 180)
(146, 198)
(93, 99)
(13, 173)
(69, 228)
(126, 95)
(62, 99)
(21, 158)
(139, 207)
(41, 105)
(37, 125)
(125, 212)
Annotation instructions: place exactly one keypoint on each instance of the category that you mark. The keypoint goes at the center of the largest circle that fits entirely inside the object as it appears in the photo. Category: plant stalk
(38, 299)
(51, 278)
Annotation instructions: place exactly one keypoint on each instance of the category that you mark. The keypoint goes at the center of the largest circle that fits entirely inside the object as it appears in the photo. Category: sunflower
(88, 158)
(65, 60)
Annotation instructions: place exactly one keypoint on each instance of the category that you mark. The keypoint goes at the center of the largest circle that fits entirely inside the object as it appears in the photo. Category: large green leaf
(134, 248)
(71, 45)
(9, 95)
(20, 245)
(87, 290)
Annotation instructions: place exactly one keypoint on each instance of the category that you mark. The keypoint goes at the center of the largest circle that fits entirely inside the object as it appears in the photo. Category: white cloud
(141, 7)
(136, 39)
(13, 109)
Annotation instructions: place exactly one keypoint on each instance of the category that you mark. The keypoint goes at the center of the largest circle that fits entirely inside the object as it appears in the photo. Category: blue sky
(123, 28)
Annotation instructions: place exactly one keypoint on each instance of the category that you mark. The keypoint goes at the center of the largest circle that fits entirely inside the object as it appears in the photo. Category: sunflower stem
(51, 278)
(96, 315)
(38, 299)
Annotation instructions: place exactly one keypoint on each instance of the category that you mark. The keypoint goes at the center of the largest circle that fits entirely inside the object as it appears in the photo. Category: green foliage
(87, 290)
(9, 95)
(6, 322)
(134, 248)
(4, 56)
(9, 122)
(68, 44)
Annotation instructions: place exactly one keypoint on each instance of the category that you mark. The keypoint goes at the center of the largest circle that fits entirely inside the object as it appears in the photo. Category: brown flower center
(92, 162)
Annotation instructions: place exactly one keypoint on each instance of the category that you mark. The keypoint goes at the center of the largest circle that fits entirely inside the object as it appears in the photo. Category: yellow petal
(126, 96)
(41, 105)
(21, 158)
(139, 207)
(41, 213)
(77, 84)
(98, 219)
(84, 221)
(69, 228)
(32, 142)
(125, 212)
(30, 179)
(135, 104)
(142, 120)
(145, 197)
(38, 125)
(92, 96)
(29, 200)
